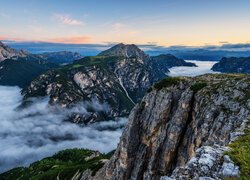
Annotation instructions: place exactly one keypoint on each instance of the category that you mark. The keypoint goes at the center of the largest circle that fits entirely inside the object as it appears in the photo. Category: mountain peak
(126, 50)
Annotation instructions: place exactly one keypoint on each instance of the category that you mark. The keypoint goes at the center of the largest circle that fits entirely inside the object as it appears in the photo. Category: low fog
(37, 132)
(203, 67)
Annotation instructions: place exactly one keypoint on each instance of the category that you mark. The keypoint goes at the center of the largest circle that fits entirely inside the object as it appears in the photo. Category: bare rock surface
(182, 129)
(6, 52)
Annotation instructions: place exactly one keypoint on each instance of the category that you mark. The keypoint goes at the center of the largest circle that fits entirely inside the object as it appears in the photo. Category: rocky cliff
(6, 52)
(181, 130)
(233, 65)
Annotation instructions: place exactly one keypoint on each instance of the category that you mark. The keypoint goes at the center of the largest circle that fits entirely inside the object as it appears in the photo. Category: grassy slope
(240, 154)
(63, 164)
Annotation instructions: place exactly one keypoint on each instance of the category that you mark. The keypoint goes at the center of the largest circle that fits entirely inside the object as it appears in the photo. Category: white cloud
(118, 26)
(203, 67)
(39, 131)
(66, 19)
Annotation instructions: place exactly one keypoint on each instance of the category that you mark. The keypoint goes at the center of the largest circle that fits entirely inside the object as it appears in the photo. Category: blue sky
(163, 22)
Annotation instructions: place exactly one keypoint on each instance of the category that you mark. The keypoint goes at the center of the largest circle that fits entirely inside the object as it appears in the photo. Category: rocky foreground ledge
(181, 130)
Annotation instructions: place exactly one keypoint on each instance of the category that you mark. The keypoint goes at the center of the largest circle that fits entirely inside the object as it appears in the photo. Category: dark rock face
(233, 65)
(170, 60)
(120, 81)
(181, 131)
(6, 52)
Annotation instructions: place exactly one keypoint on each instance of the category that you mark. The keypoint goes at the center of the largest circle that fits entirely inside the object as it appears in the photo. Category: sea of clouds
(203, 67)
(38, 131)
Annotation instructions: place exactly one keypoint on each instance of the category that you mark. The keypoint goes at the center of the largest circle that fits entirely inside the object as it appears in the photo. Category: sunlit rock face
(180, 130)
(6, 52)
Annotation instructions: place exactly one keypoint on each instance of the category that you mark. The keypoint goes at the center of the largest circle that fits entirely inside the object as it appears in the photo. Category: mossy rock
(198, 86)
(167, 82)
(240, 154)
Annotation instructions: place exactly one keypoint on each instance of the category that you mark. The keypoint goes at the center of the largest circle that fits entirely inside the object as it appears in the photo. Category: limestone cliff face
(6, 52)
(181, 128)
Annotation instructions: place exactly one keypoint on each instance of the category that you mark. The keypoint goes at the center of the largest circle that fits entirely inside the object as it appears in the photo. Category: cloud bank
(203, 67)
(37, 132)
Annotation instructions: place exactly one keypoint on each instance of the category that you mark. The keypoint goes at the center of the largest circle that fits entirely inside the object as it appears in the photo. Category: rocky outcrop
(233, 65)
(181, 128)
(6, 52)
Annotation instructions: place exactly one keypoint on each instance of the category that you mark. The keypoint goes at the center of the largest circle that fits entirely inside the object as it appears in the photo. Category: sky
(161, 22)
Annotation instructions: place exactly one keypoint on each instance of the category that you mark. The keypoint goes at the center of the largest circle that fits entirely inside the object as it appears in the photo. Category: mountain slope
(102, 79)
(233, 65)
(61, 57)
(119, 81)
(19, 68)
(181, 129)
(21, 71)
(6, 52)
(66, 164)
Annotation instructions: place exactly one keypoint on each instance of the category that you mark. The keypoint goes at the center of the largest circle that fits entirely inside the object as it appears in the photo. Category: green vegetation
(101, 61)
(22, 72)
(247, 95)
(167, 82)
(63, 164)
(77, 65)
(198, 86)
(240, 154)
